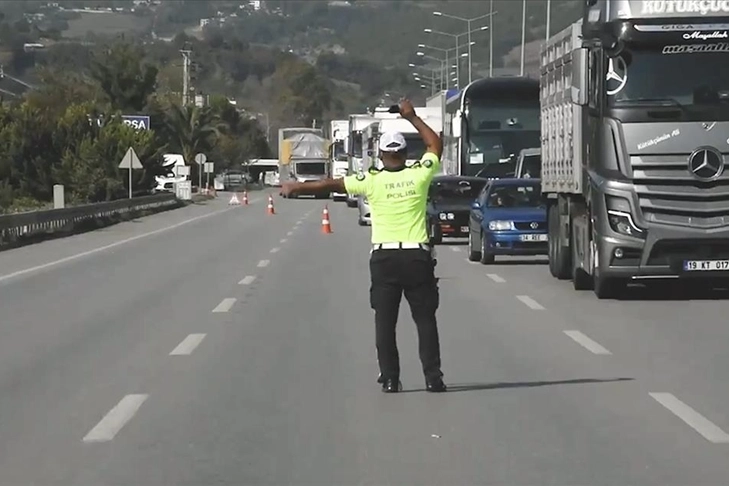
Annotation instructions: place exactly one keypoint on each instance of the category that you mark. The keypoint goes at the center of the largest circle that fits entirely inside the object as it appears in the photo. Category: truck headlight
(622, 223)
(501, 225)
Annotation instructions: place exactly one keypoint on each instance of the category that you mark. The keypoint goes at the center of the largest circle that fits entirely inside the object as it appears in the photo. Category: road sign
(130, 160)
(200, 159)
(209, 167)
(182, 170)
(140, 122)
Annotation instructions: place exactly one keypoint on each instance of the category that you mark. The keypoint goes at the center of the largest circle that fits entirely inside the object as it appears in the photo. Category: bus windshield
(416, 146)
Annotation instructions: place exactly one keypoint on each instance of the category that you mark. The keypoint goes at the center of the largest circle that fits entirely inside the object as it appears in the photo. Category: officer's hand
(407, 110)
(288, 189)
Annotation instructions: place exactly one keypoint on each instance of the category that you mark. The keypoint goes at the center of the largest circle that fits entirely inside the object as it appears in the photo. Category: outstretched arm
(431, 139)
(313, 187)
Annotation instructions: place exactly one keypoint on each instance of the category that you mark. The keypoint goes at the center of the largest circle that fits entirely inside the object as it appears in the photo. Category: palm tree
(192, 130)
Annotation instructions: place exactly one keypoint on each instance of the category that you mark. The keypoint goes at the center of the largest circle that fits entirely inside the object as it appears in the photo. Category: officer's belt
(401, 246)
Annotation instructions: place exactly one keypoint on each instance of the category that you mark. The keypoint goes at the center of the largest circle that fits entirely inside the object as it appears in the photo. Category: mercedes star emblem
(534, 225)
(706, 164)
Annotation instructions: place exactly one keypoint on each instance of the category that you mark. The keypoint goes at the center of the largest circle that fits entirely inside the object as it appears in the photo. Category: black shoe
(391, 386)
(435, 385)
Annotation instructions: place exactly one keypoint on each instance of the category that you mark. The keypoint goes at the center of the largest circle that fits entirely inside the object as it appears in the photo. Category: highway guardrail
(21, 225)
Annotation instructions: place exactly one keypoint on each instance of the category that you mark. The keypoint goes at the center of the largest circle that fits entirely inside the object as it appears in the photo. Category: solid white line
(107, 247)
(275, 250)
(283, 240)
(225, 305)
(263, 263)
(117, 417)
(529, 302)
(455, 248)
(247, 280)
(188, 345)
(495, 278)
(693, 419)
(587, 343)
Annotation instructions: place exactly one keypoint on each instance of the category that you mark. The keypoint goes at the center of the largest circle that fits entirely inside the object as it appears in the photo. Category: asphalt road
(215, 345)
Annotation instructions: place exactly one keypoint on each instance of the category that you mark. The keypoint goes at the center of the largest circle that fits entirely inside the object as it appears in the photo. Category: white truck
(302, 155)
(339, 135)
(357, 123)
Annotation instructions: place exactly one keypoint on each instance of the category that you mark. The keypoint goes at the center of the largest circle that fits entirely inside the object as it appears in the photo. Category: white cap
(392, 142)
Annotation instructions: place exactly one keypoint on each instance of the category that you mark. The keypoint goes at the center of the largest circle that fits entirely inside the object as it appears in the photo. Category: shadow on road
(462, 387)
(673, 290)
(520, 262)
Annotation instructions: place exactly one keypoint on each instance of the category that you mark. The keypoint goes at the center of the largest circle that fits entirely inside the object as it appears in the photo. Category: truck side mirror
(475, 205)
(580, 76)
(457, 124)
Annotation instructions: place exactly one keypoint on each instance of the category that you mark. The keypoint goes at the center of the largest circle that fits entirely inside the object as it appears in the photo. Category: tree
(124, 77)
(303, 94)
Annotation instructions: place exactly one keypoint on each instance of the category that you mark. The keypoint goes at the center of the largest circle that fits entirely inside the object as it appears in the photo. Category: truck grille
(669, 194)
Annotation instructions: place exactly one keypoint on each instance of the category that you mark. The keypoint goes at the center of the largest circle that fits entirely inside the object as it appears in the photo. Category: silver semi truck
(635, 137)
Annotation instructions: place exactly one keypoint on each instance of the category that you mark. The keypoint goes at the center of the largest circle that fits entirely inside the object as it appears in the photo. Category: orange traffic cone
(270, 205)
(245, 198)
(326, 226)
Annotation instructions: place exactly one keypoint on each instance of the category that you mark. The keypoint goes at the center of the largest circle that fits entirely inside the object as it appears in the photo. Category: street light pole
(468, 22)
(523, 34)
(549, 12)
(469, 32)
(491, 40)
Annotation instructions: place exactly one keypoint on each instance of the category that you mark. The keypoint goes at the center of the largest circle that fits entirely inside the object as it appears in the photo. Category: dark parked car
(449, 205)
(508, 218)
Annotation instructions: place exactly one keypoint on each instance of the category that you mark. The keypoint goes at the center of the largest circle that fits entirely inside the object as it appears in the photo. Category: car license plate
(533, 237)
(464, 229)
(705, 265)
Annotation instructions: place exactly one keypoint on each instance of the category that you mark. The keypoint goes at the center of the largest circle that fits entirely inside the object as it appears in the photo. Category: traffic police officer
(401, 259)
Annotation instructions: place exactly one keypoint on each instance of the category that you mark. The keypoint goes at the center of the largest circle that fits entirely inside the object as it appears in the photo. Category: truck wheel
(486, 257)
(581, 280)
(559, 264)
(473, 254)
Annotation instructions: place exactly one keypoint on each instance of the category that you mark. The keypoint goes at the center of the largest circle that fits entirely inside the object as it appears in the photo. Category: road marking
(529, 302)
(117, 417)
(188, 345)
(455, 248)
(107, 247)
(275, 250)
(693, 419)
(247, 280)
(587, 343)
(283, 240)
(289, 233)
(225, 305)
(495, 278)
(263, 263)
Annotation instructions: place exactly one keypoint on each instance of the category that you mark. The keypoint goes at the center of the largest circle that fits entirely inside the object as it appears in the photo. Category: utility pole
(491, 39)
(186, 62)
(523, 35)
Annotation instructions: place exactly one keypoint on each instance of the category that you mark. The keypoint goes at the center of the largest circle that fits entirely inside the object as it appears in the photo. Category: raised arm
(432, 141)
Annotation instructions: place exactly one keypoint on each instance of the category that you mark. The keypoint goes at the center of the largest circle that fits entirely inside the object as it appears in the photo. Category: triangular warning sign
(234, 200)
(130, 160)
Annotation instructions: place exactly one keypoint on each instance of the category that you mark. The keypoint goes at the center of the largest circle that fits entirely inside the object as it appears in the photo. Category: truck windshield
(456, 189)
(531, 167)
(692, 76)
(356, 139)
(311, 168)
(416, 146)
(526, 196)
(338, 152)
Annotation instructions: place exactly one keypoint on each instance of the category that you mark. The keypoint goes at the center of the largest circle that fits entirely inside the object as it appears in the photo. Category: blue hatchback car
(509, 217)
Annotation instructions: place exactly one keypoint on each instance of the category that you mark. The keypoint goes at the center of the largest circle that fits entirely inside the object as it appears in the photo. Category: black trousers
(412, 272)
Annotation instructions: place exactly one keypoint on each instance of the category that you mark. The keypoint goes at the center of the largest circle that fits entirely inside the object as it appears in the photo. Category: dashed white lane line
(495, 278)
(587, 343)
(188, 345)
(117, 417)
(455, 249)
(263, 263)
(283, 240)
(693, 419)
(275, 250)
(289, 233)
(247, 280)
(107, 247)
(225, 305)
(529, 302)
